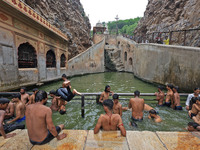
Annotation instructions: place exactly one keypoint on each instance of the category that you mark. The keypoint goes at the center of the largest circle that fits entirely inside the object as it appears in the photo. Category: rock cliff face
(70, 18)
(170, 15)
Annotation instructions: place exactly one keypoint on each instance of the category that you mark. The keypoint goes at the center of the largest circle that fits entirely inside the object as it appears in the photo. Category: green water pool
(120, 83)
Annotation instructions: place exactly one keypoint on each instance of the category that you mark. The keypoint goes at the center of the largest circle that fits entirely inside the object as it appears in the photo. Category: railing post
(83, 106)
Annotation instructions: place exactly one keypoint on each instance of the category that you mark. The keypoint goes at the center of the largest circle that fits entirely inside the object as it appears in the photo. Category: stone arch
(27, 56)
(50, 59)
(130, 61)
(125, 56)
(62, 60)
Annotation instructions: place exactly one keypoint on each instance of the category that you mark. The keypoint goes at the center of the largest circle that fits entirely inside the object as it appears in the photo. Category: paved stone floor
(82, 139)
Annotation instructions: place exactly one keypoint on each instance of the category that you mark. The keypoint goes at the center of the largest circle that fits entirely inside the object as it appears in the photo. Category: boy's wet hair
(193, 124)
(160, 87)
(106, 87)
(4, 101)
(40, 95)
(176, 87)
(64, 76)
(35, 89)
(170, 86)
(115, 96)
(17, 95)
(196, 88)
(153, 111)
(137, 93)
(62, 112)
(23, 88)
(52, 92)
(108, 103)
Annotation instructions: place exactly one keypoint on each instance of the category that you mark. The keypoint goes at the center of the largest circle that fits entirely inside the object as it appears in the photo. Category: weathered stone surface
(75, 140)
(18, 142)
(179, 140)
(144, 140)
(169, 15)
(70, 17)
(106, 141)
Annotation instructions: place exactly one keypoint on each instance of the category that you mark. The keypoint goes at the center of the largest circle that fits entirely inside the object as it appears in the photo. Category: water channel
(120, 83)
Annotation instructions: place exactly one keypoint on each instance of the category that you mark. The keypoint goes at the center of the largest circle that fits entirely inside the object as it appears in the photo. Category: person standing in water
(32, 97)
(169, 96)
(105, 94)
(176, 105)
(109, 121)
(117, 108)
(137, 105)
(160, 95)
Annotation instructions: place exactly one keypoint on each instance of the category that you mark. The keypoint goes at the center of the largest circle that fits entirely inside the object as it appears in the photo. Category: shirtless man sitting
(169, 96)
(176, 105)
(137, 105)
(109, 121)
(19, 109)
(10, 110)
(160, 95)
(41, 129)
(3, 106)
(105, 94)
(195, 109)
(117, 108)
(24, 95)
(32, 97)
(153, 115)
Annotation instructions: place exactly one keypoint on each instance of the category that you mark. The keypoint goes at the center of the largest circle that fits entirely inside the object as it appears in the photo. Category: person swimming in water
(169, 96)
(117, 108)
(19, 109)
(62, 110)
(54, 102)
(105, 94)
(176, 105)
(195, 109)
(153, 115)
(109, 121)
(137, 105)
(160, 95)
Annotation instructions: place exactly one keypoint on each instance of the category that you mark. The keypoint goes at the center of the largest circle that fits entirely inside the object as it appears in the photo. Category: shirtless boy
(195, 109)
(176, 105)
(24, 95)
(105, 94)
(153, 115)
(41, 129)
(3, 105)
(117, 108)
(19, 109)
(169, 96)
(54, 102)
(109, 121)
(160, 95)
(137, 105)
(32, 97)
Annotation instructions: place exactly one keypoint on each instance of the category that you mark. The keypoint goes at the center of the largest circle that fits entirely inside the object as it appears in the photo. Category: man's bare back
(137, 105)
(117, 109)
(10, 110)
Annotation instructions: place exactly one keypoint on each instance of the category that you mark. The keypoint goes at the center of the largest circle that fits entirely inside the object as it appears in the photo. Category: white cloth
(187, 103)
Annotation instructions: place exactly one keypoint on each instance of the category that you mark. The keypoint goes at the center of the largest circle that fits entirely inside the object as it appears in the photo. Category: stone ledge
(104, 140)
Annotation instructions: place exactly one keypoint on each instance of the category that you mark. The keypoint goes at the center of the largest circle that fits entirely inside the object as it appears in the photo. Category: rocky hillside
(170, 15)
(69, 16)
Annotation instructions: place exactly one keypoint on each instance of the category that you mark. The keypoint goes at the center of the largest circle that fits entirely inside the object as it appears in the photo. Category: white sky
(106, 10)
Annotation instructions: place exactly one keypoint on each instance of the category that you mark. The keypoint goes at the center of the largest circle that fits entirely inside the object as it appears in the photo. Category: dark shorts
(136, 119)
(193, 115)
(48, 138)
(178, 108)
(168, 104)
(11, 127)
(65, 93)
(160, 105)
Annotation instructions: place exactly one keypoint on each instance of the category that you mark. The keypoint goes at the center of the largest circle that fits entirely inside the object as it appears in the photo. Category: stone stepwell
(108, 140)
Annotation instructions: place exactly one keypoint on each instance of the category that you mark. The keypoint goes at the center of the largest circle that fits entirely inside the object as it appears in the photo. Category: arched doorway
(50, 59)
(27, 57)
(62, 60)
(130, 61)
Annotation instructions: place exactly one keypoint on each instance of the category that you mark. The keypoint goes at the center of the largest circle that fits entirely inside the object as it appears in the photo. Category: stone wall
(90, 61)
(168, 64)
